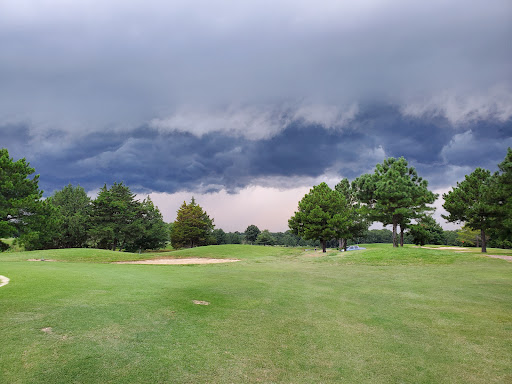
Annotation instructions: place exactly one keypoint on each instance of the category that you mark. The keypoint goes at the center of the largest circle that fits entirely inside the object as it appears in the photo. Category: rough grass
(382, 315)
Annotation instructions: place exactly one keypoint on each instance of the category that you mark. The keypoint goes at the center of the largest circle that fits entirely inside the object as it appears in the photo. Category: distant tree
(74, 214)
(251, 233)
(220, 236)
(193, 226)
(426, 231)
(233, 238)
(394, 194)
(19, 196)
(113, 212)
(321, 215)
(265, 238)
(450, 238)
(472, 202)
(357, 223)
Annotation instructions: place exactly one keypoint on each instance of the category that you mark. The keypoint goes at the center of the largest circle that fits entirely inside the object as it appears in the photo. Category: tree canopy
(394, 194)
(19, 196)
(251, 233)
(192, 227)
(322, 215)
(472, 202)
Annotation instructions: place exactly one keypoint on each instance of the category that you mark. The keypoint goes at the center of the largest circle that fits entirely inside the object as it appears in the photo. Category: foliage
(265, 238)
(113, 213)
(220, 236)
(426, 231)
(74, 211)
(502, 227)
(357, 223)
(19, 196)
(394, 194)
(193, 227)
(251, 233)
(321, 215)
(148, 230)
(472, 202)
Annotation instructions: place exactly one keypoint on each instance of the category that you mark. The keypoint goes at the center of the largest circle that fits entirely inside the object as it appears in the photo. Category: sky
(246, 105)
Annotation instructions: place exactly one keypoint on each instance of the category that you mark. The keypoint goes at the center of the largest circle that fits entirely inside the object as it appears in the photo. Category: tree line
(395, 195)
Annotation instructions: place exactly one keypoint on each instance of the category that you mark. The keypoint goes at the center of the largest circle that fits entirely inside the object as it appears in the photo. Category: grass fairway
(280, 315)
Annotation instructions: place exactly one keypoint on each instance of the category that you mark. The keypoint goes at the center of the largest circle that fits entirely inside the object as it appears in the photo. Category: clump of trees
(70, 219)
(483, 202)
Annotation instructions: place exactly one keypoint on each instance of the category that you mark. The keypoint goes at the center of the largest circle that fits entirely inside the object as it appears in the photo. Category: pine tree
(473, 202)
(394, 194)
(19, 196)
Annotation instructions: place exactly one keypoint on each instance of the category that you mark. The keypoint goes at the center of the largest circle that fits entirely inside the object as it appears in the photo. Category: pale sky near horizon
(247, 105)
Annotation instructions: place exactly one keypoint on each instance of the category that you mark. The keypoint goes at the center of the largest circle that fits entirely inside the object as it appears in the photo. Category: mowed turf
(280, 315)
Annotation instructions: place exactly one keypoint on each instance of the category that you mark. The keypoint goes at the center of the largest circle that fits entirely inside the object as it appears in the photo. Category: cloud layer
(212, 96)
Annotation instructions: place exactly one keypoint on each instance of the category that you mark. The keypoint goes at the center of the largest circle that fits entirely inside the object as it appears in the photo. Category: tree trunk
(323, 246)
(114, 245)
(401, 236)
(484, 243)
(343, 244)
(395, 223)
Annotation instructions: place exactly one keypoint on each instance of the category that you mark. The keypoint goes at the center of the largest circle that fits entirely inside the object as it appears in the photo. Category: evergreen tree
(74, 215)
(19, 197)
(113, 212)
(148, 230)
(219, 235)
(502, 226)
(394, 194)
(473, 202)
(192, 228)
(321, 215)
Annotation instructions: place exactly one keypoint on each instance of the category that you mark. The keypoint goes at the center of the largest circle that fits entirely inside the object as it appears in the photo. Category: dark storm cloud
(206, 95)
(148, 160)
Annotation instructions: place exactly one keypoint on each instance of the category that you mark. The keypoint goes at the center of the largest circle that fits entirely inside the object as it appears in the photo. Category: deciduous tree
(321, 215)
(251, 233)
(192, 228)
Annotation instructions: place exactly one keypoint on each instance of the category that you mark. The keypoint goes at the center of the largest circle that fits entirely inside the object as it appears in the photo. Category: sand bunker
(448, 248)
(3, 280)
(194, 260)
(41, 260)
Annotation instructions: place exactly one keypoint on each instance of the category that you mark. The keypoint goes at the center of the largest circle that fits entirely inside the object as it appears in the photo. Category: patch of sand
(200, 302)
(41, 260)
(462, 249)
(508, 258)
(3, 280)
(193, 260)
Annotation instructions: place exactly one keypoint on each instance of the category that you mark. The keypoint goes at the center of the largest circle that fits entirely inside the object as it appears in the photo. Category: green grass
(281, 315)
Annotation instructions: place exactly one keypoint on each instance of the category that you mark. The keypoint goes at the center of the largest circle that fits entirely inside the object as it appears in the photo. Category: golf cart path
(3, 280)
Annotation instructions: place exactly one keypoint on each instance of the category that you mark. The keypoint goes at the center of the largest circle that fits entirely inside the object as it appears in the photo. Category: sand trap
(194, 260)
(3, 280)
(508, 258)
(448, 248)
(41, 260)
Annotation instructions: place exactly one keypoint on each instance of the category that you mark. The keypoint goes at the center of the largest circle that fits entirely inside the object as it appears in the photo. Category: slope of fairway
(280, 315)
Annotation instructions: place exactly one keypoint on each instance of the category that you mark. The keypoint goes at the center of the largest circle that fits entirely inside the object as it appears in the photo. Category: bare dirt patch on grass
(193, 260)
(41, 260)
(508, 258)
(447, 248)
